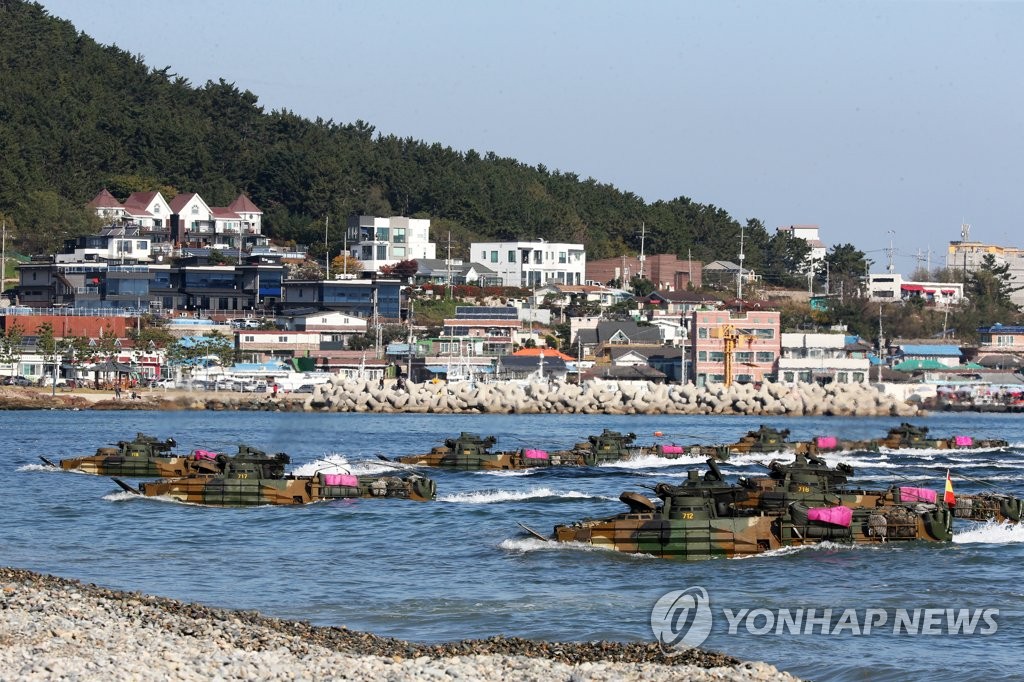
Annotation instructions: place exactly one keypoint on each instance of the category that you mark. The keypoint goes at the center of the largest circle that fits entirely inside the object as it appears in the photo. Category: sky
(885, 123)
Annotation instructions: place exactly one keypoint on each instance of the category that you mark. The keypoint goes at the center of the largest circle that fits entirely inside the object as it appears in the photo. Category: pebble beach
(57, 629)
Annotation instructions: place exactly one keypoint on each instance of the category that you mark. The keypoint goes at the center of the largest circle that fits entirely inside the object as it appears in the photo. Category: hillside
(76, 116)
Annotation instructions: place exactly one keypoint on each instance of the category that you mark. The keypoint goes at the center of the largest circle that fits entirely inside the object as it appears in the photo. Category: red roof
(104, 200)
(243, 205)
(911, 287)
(179, 202)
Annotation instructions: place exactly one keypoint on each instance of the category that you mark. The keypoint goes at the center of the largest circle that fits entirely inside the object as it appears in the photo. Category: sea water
(461, 567)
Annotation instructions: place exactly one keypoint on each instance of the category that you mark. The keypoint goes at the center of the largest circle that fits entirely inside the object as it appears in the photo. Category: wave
(328, 464)
(524, 545)
(826, 546)
(44, 467)
(122, 495)
(653, 462)
(492, 496)
(506, 472)
(991, 533)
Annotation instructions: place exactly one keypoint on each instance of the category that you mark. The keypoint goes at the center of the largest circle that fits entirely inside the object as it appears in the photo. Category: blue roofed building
(948, 355)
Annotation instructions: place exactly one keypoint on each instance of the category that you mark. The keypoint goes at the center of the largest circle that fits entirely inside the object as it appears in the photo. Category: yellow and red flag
(948, 497)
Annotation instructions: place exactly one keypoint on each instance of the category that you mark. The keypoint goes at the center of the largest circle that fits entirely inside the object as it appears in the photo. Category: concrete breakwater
(600, 397)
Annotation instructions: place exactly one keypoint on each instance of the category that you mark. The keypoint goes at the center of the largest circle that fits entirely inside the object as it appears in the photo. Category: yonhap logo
(682, 619)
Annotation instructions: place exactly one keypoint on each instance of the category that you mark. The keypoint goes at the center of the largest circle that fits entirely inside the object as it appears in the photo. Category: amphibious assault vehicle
(706, 517)
(246, 483)
(470, 452)
(149, 457)
(768, 439)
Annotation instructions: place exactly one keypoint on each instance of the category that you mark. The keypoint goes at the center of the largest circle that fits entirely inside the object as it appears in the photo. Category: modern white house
(377, 242)
(810, 234)
(890, 287)
(532, 263)
(822, 357)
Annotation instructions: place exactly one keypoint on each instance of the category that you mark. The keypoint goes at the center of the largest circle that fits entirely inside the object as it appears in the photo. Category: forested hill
(76, 116)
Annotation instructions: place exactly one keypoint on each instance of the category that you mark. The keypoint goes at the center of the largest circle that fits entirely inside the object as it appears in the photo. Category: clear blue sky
(874, 120)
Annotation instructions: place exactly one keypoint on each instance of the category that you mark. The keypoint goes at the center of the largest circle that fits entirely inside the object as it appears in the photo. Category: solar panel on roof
(466, 312)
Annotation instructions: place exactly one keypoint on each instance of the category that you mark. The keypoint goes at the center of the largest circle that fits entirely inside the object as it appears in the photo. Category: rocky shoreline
(54, 628)
(594, 397)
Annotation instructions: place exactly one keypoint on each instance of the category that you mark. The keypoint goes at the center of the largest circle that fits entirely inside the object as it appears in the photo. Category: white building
(377, 242)
(809, 233)
(821, 357)
(892, 287)
(533, 263)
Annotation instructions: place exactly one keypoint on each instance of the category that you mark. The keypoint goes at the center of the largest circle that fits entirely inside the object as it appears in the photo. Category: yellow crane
(730, 337)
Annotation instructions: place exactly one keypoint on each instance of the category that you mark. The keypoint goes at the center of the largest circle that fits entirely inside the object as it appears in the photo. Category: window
(716, 356)
(702, 332)
(744, 356)
(702, 356)
(512, 256)
(398, 251)
(764, 333)
(787, 377)
(843, 377)
(249, 339)
(282, 339)
(142, 245)
(561, 256)
(538, 257)
(156, 209)
(765, 356)
(858, 377)
(382, 252)
(383, 234)
(195, 210)
(744, 378)
(398, 235)
(494, 256)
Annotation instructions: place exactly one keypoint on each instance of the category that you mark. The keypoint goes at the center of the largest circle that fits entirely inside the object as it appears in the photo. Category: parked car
(16, 380)
(305, 388)
(165, 383)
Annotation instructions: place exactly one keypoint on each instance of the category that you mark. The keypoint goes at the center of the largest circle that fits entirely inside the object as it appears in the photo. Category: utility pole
(965, 234)
(376, 323)
(881, 343)
(448, 263)
(643, 234)
(408, 363)
(889, 252)
(327, 251)
(739, 275)
(3, 261)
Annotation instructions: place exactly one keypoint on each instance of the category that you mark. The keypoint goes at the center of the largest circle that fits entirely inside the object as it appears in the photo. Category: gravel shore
(57, 629)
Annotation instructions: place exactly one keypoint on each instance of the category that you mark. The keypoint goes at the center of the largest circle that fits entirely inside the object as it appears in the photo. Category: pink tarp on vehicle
(834, 516)
(347, 480)
(672, 449)
(963, 441)
(827, 442)
(535, 454)
(918, 495)
(204, 454)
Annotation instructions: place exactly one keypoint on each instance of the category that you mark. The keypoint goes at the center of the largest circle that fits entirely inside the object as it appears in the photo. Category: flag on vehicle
(948, 497)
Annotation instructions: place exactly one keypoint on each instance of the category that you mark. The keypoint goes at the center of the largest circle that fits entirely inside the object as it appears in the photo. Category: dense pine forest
(77, 116)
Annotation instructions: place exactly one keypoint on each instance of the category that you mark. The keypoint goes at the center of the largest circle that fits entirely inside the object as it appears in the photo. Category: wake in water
(537, 493)
(46, 467)
(991, 533)
(826, 546)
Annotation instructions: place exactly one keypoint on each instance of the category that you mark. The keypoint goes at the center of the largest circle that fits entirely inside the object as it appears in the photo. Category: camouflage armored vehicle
(768, 439)
(244, 484)
(909, 436)
(470, 452)
(809, 480)
(148, 457)
(705, 518)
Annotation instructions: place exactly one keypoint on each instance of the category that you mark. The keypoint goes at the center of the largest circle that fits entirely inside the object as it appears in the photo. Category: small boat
(149, 457)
